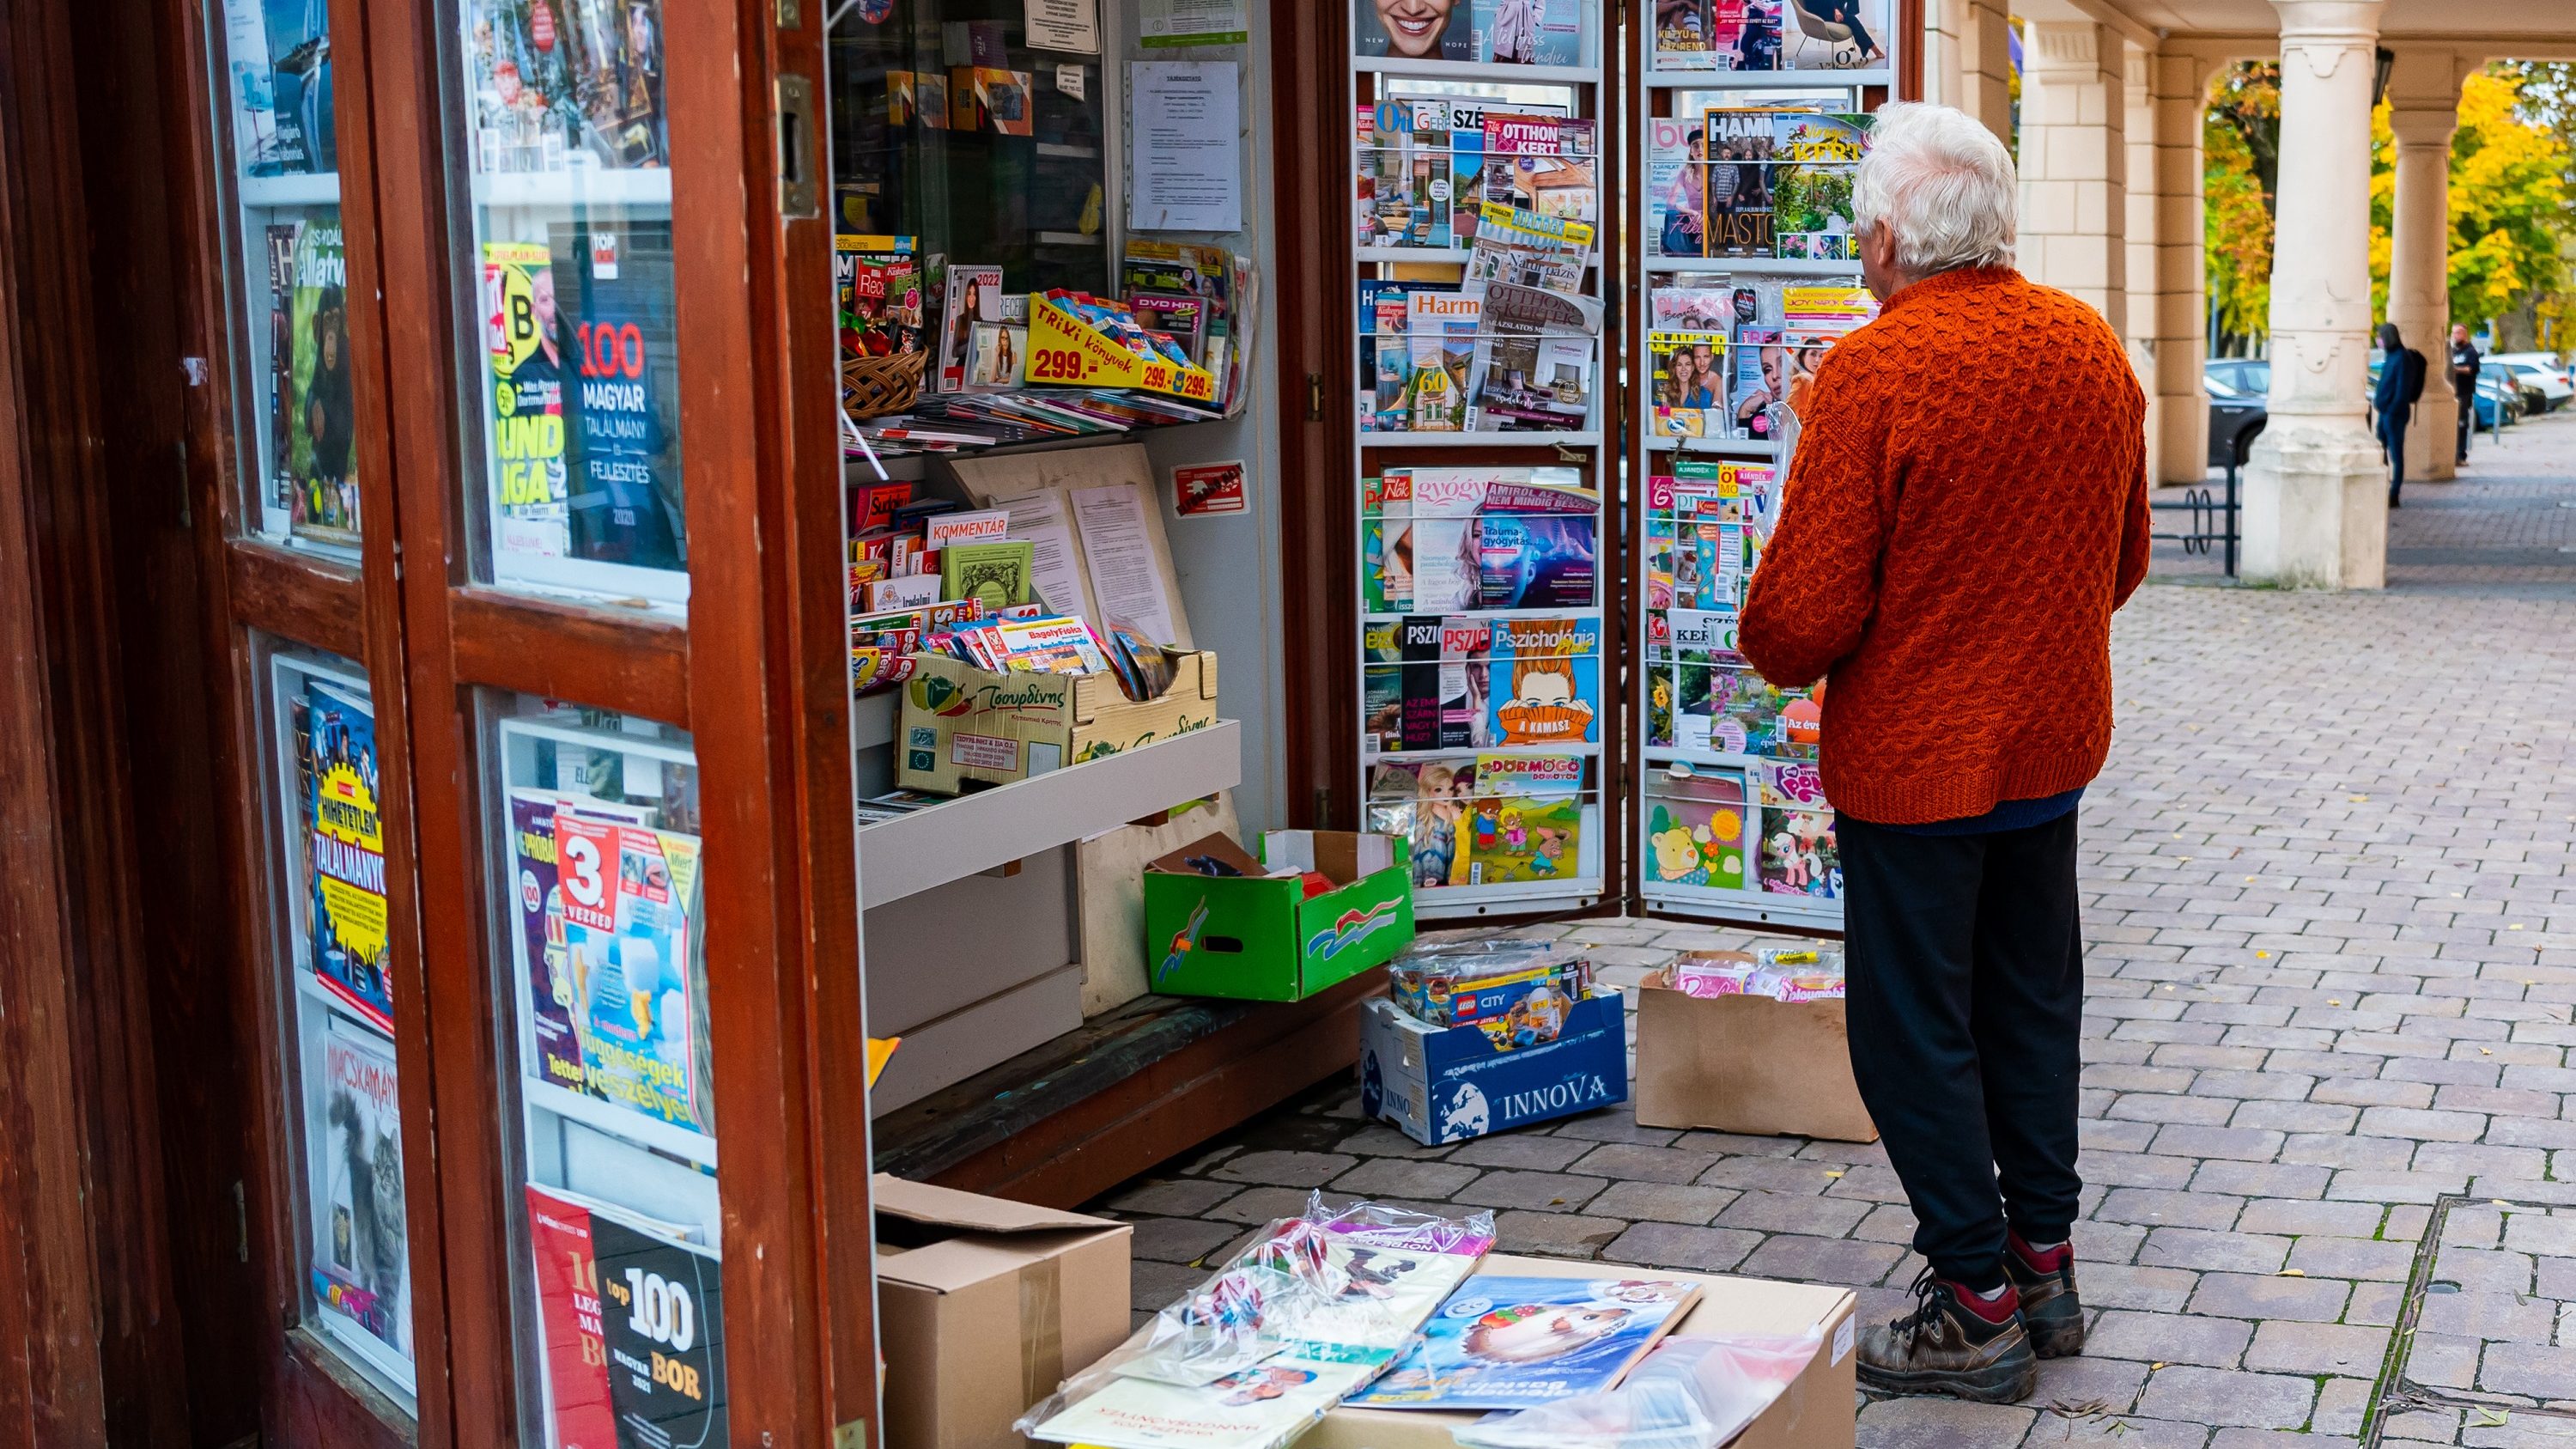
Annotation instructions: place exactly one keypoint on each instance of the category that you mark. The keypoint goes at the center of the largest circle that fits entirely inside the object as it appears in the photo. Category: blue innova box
(1448, 1084)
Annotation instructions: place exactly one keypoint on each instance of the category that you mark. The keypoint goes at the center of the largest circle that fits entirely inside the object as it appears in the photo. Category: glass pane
(342, 1102)
(621, 1314)
(296, 413)
(573, 406)
(947, 127)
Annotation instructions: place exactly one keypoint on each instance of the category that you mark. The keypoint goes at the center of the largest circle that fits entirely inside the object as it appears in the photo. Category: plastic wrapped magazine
(1312, 1310)
(1690, 1393)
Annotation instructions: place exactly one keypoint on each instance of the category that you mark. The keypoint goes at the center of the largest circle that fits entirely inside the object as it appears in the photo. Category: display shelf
(541, 1095)
(873, 716)
(588, 186)
(1571, 611)
(1591, 439)
(1655, 755)
(1070, 153)
(1518, 898)
(264, 192)
(1437, 256)
(1770, 908)
(1724, 447)
(1070, 239)
(1782, 266)
(1469, 752)
(1492, 74)
(990, 828)
(1822, 78)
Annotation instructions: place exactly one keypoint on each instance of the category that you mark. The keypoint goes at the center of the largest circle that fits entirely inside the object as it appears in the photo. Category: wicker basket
(875, 386)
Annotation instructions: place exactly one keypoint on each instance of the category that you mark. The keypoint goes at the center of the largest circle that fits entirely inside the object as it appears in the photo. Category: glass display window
(562, 153)
(610, 1097)
(342, 1100)
(277, 152)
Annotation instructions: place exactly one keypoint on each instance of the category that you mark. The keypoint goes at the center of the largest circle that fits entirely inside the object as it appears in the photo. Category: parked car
(2551, 388)
(2250, 376)
(2236, 418)
(2546, 361)
(2499, 402)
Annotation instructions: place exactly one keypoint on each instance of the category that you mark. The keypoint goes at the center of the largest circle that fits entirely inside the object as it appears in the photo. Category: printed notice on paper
(1064, 25)
(1055, 569)
(1126, 577)
(1193, 22)
(1184, 118)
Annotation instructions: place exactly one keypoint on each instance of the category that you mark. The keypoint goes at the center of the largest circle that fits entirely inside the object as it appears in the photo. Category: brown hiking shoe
(2050, 1311)
(1947, 1346)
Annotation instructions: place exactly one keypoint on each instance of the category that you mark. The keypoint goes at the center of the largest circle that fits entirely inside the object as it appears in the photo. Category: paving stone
(1822, 1260)
(1521, 1149)
(2258, 1179)
(1661, 1202)
(2294, 1218)
(1286, 1169)
(1617, 1124)
(1151, 1285)
(1629, 1162)
(1380, 1140)
(2218, 1252)
(2494, 1316)
(2323, 1256)
(2317, 1348)
(1543, 1191)
(1399, 1177)
(1674, 1245)
(1177, 1198)
(2220, 1398)
(1773, 1212)
(2168, 1338)
(2268, 1297)
(1179, 1240)
(1554, 1235)
(2424, 1126)
(1940, 1424)
(2104, 1427)
(2154, 1208)
(2539, 1370)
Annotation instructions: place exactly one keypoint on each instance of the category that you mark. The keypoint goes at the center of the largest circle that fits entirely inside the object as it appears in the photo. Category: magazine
(1695, 829)
(1676, 177)
(1482, 32)
(321, 464)
(971, 295)
(1426, 533)
(1532, 367)
(1737, 189)
(1689, 384)
(1511, 1342)
(1769, 35)
(1546, 682)
(524, 334)
(1386, 361)
(615, 283)
(1440, 349)
(1425, 803)
(1536, 561)
(1406, 170)
(360, 1267)
(345, 839)
(278, 486)
(1525, 822)
(636, 964)
(1799, 856)
(1523, 247)
(280, 54)
(1758, 390)
(1780, 182)
(631, 1316)
(1540, 164)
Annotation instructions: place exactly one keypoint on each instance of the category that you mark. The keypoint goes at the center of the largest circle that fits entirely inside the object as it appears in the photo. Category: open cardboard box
(962, 724)
(1815, 1412)
(1746, 1064)
(984, 1306)
(1258, 937)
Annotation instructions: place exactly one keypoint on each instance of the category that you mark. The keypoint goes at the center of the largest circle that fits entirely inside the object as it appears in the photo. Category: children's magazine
(1526, 821)
(1508, 1342)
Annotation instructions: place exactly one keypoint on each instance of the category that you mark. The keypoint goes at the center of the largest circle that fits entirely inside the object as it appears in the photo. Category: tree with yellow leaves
(2509, 195)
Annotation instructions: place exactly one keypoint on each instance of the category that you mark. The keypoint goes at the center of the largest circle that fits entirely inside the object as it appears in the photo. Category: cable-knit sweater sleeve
(1819, 577)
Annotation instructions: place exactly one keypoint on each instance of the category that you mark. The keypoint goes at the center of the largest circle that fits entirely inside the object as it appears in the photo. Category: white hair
(1944, 183)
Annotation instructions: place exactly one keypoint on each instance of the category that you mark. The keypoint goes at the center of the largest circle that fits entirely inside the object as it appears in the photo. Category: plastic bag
(1690, 1393)
(1313, 1308)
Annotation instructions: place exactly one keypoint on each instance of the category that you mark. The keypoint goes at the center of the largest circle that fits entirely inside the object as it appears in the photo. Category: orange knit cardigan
(1966, 508)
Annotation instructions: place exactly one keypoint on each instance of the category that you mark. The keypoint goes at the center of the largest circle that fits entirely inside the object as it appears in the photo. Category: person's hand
(1799, 384)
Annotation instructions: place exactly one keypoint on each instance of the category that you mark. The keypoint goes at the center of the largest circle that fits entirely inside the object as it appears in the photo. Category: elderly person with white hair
(1948, 556)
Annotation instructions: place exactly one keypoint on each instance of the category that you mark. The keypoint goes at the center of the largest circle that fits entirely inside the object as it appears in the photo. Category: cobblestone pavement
(2509, 519)
(2330, 890)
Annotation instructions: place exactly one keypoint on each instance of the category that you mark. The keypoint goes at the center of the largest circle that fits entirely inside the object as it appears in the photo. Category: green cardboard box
(1256, 937)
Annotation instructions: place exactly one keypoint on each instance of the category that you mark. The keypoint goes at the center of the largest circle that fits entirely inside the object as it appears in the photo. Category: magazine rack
(1730, 820)
(1484, 365)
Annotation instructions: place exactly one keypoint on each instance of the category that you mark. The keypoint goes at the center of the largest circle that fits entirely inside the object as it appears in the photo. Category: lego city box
(1746, 1064)
(1815, 1411)
(962, 724)
(1255, 936)
(984, 1306)
(1447, 1084)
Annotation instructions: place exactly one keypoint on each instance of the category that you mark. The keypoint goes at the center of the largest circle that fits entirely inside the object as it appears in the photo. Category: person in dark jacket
(2465, 360)
(2401, 382)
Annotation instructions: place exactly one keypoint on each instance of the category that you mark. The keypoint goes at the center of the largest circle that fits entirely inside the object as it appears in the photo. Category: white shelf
(1070, 239)
(1515, 898)
(975, 833)
(587, 186)
(1795, 266)
(1462, 70)
(873, 717)
(1730, 447)
(1469, 752)
(1738, 907)
(1479, 440)
(1440, 256)
(1823, 78)
(271, 191)
(1571, 610)
(1053, 148)
(544, 1096)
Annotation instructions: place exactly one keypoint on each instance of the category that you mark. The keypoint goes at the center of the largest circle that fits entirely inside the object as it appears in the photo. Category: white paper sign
(1193, 22)
(1055, 570)
(1068, 81)
(1126, 581)
(1064, 25)
(1185, 118)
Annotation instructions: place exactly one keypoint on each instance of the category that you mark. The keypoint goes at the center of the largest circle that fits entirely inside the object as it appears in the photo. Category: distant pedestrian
(2465, 360)
(1952, 567)
(2401, 385)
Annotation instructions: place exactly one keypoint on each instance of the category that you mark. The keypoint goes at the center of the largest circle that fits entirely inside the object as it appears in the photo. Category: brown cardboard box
(1746, 1064)
(984, 1306)
(1814, 1413)
(961, 723)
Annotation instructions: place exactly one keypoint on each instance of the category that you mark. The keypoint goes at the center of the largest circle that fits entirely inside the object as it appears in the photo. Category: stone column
(2075, 163)
(2145, 282)
(2316, 496)
(2423, 111)
(1967, 60)
(2177, 87)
